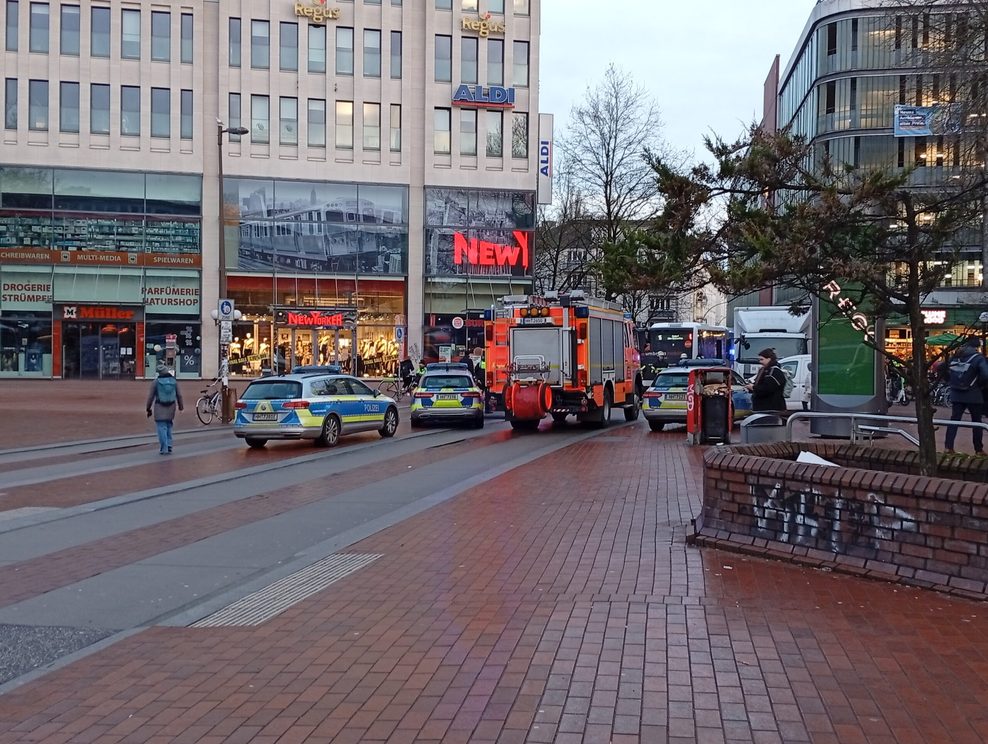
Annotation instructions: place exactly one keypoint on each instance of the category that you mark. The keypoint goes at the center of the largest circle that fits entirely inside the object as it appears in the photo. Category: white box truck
(774, 327)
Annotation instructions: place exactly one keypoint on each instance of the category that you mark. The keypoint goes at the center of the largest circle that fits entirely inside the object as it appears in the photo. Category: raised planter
(874, 515)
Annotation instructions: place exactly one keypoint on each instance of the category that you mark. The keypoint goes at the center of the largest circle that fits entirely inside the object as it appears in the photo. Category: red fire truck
(562, 355)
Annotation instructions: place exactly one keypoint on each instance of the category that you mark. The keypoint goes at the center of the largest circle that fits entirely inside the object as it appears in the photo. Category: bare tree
(564, 237)
(605, 145)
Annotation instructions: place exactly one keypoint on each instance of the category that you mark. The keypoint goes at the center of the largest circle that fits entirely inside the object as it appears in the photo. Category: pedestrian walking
(768, 391)
(966, 373)
(163, 399)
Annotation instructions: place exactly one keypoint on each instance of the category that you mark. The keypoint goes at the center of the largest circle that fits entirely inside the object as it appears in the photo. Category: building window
(37, 103)
(854, 34)
(468, 6)
(10, 103)
(468, 132)
(99, 108)
(372, 2)
(519, 135)
(495, 62)
(521, 7)
(468, 59)
(444, 59)
(259, 120)
(344, 124)
(288, 51)
(99, 32)
(161, 36)
(130, 110)
(68, 31)
(260, 45)
(853, 104)
(496, 6)
(234, 43)
(289, 121)
(317, 48)
(317, 122)
(372, 126)
(396, 54)
(921, 152)
(372, 53)
(68, 107)
(344, 51)
(130, 34)
(831, 39)
(495, 136)
(395, 127)
(830, 102)
(444, 4)
(520, 63)
(185, 110)
(441, 130)
(161, 112)
(233, 114)
(187, 26)
(39, 28)
(898, 32)
(11, 25)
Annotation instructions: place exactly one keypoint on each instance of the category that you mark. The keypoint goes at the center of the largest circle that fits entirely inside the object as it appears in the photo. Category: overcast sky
(704, 61)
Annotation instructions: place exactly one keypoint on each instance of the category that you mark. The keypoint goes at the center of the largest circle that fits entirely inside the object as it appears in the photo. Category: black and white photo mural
(315, 227)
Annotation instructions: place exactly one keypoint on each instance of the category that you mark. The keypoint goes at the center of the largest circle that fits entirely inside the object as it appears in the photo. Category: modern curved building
(855, 61)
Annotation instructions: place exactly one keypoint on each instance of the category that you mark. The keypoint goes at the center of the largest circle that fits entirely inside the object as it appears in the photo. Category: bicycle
(395, 388)
(940, 394)
(209, 405)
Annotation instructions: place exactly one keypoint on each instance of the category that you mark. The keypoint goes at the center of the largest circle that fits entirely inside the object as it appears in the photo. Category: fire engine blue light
(582, 312)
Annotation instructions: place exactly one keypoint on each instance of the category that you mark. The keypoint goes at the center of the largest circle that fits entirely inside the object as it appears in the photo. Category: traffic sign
(399, 334)
(226, 332)
(457, 322)
(225, 309)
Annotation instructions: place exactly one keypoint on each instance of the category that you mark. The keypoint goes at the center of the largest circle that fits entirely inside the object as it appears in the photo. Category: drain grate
(274, 599)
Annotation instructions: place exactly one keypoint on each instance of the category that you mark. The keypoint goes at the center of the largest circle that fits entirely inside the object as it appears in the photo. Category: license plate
(447, 396)
(675, 396)
(265, 417)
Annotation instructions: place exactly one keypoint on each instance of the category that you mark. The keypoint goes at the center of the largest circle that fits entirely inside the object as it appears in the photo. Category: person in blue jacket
(966, 374)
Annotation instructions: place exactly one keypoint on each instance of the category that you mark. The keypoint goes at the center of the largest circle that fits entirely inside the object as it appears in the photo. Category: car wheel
(559, 418)
(390, 423)
(605, 411)
(415, 423)
(479, 423)
(525, 425)
(330, 434)
(255, 443)
(631, 412)
(656, 425)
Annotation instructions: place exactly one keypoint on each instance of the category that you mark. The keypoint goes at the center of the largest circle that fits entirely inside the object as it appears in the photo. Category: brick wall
(883, 521)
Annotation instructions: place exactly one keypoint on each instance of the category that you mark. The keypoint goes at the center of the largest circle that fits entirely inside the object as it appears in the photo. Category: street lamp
(226, 331)
(220, 131)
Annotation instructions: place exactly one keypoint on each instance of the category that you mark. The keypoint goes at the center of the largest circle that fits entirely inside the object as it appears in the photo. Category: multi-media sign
(483, 25)
(491, 97)
(317, 12)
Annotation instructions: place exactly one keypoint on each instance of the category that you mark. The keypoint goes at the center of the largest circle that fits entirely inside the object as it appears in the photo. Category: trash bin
(714, 418)
(229, 402)
(762, 428)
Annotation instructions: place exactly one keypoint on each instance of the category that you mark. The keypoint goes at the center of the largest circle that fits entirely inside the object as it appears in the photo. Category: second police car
(664, 401)
(321, 407)
(447, 393)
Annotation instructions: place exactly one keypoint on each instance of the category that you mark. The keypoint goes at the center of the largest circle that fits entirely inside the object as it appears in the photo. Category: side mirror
(377, 393)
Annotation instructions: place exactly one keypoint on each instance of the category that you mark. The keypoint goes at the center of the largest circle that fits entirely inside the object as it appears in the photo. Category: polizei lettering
(477, 96)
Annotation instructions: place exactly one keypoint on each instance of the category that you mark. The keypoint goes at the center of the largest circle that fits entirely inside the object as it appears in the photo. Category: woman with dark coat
(768, 391)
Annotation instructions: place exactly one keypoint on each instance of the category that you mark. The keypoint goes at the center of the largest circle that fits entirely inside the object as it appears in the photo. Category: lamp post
(220, 131)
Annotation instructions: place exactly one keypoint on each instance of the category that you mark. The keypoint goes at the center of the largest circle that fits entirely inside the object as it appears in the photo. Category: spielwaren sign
(483, 25)
(317, 12)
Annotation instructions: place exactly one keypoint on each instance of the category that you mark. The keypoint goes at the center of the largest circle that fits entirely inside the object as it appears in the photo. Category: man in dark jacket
(768, 391)
(966, 374)
(165, 397)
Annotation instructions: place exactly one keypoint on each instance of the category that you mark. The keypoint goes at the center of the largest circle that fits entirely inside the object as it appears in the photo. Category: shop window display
(25, 345)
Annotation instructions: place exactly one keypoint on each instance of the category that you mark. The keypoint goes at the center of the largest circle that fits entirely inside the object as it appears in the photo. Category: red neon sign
(314, 318)
(484, 253)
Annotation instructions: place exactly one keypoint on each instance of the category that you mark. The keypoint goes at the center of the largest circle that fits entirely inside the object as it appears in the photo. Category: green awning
(942, 339)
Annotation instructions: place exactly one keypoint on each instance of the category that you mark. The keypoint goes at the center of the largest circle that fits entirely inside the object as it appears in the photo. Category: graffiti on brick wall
(823, 519)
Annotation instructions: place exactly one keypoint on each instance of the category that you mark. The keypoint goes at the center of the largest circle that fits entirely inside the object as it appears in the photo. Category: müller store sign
(98, 312)
(315, 318)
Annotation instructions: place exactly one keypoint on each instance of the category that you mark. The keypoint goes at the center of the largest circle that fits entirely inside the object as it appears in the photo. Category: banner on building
(926, 121)
(545, 159)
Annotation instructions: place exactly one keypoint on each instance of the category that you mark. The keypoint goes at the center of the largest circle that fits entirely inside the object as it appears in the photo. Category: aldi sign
(491, 97)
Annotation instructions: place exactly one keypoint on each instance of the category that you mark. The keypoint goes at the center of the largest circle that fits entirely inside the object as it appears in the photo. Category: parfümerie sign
(317, 12)
(483, 25)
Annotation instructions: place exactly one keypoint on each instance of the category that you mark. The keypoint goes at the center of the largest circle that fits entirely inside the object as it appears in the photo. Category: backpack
(964, 373)
(790, 382)
(165, 390)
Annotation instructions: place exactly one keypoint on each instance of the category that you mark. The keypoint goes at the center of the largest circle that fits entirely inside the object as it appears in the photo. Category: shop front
(944, 328)
(97, 341)
(321, 335)
(172, 329)
(25, 321)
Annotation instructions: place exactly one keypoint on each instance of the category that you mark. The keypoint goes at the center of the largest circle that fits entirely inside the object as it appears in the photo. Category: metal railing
(869, 428)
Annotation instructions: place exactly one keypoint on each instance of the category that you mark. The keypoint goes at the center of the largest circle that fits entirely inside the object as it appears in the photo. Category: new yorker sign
(317, 12)
(491, 97)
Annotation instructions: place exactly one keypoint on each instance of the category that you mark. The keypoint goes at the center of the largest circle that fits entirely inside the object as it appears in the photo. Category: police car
(321, 407)
(664, 402)
(447, 392)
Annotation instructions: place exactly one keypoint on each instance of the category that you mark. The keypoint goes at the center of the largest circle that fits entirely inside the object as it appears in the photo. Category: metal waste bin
(762, 428)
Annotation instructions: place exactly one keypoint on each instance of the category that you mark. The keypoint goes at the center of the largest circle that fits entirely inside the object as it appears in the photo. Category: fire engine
(562, 355)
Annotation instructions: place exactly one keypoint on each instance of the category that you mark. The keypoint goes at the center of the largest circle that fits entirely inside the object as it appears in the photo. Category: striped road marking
(274, 599)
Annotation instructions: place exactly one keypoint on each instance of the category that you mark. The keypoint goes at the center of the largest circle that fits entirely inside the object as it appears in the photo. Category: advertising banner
(24, 288)
(926, 121)
(545, 159)
(171, 293)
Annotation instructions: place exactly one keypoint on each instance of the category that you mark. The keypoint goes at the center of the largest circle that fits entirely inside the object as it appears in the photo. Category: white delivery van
(799, 367)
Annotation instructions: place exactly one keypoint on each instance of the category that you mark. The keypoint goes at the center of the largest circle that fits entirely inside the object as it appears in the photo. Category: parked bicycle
(940, 394)
(209, 405)
(396, 388)
(897, 391)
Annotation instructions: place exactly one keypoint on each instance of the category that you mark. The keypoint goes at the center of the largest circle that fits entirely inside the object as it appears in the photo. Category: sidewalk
(556, 603)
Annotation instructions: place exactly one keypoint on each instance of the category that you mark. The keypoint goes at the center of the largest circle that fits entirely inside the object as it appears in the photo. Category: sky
(703, 61)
